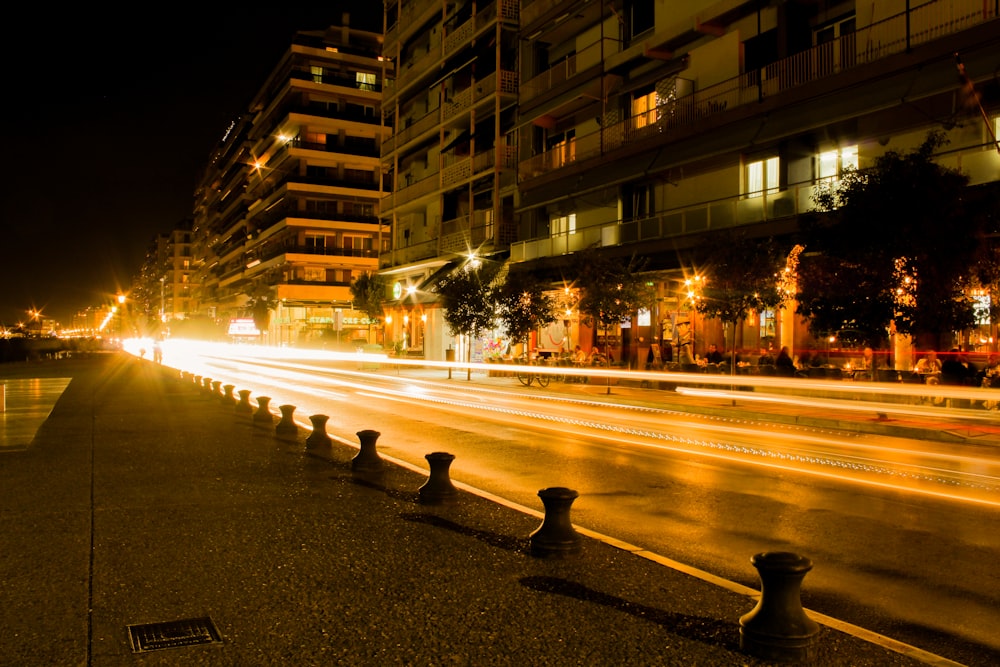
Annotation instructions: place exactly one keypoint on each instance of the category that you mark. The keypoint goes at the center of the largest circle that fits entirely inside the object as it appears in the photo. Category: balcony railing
(566, 69)
(480, 90)
(411, 130)
(854, 50)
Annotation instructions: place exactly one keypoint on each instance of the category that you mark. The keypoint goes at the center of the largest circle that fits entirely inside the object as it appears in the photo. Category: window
(762, 177)
(314, 274)
(317, 73)
(831, 165)
(315, 242)
(357, 242)
(644, 109)
(565, 224)
(365, 80)
(562, 148)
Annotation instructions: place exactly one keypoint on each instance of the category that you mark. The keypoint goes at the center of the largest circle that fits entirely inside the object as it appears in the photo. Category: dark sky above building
(109, 116)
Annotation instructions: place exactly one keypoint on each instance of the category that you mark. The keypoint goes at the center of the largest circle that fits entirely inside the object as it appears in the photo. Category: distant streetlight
(163, 312)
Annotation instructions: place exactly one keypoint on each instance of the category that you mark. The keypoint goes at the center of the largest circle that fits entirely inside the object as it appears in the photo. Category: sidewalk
(144, 500)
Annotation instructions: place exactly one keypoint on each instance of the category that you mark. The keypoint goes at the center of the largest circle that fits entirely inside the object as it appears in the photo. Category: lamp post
(121, 316)
(163, 314)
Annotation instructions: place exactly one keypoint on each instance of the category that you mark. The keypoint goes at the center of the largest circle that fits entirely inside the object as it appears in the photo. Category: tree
(892, 244)
(467, 298)
(611, 291)
(259, 305)
(522, 306)
(368, 294)
(741, 278)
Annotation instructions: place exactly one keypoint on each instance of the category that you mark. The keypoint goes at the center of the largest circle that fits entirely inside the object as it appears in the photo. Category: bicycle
(527, 377)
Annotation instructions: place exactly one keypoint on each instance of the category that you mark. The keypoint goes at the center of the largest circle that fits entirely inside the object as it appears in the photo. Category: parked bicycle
(527, 377)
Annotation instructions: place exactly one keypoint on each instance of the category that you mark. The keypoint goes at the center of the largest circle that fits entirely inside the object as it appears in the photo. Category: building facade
(451, 161)
(643, 126)
(287, 211)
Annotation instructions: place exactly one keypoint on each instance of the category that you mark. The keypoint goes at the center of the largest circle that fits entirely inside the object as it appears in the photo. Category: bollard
(216, 385)
(777, 628)
(438, 488)
(243, 406)
(556, 536)
(263, 414)
(206, 384)
(367, 459)
(227, 394)
(286, 425)
(197, 380)
(318, 437)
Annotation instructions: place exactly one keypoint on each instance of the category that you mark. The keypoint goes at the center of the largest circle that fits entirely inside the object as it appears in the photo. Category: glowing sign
(243, 326)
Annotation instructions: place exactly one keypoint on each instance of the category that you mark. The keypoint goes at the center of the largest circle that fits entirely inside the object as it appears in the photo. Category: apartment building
(162, 292)
(287, 211)
(451, 161)
(643, 126)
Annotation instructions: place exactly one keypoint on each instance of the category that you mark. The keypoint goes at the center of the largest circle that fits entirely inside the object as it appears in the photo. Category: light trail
(803, 452)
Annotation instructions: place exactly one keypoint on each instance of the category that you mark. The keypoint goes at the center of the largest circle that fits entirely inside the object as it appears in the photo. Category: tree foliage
(891, 244)
(368, 293)
(611, 290)
(466, 294)
(741, 276)
(522, 305)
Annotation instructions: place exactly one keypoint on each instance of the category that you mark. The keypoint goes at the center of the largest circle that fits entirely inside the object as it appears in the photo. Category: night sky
(110, 115)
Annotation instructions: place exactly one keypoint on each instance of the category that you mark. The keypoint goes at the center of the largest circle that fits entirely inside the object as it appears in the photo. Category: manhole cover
(173, 634)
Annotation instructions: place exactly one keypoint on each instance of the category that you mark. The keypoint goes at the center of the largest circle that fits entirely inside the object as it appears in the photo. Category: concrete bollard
(206, 384)
(216, 386)
(197, 380)
(263, 414)
(318, 437)
(438, 488)
(777, 628)
(367, 459)
(227, 394)
(243, 405)
(556, 536)
(286, 425)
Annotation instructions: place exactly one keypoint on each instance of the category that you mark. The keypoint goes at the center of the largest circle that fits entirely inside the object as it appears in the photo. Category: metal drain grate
(173, 634)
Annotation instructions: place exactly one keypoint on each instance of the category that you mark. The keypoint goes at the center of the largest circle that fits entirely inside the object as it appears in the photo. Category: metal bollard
(367, 459)
(227, 394)
(438, 488)
(777, 628)
(318, 437)
(263, 414)
(243, 406)
(286, 425)
(556, 536)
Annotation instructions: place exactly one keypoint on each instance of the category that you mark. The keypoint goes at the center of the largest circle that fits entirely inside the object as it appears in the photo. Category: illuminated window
(366, 81)
(762, 177)
(562, 148)
(565, 224)
(644, 110)
(317, 73)
(831, 165)
(314, 274)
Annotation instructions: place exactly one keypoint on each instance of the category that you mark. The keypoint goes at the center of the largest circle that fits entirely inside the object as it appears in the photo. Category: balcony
(463, 34)
(479, 91)
(565, 70)
(852, 51)
(412, 129)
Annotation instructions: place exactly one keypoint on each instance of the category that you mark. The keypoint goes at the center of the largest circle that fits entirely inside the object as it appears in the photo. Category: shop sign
(243, 326)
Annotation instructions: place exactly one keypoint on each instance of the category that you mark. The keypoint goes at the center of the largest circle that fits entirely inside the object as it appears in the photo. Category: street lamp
(163, 313)
(121, 315)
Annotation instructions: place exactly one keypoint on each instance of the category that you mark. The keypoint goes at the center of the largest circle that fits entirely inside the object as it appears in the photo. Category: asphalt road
(904, 535)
